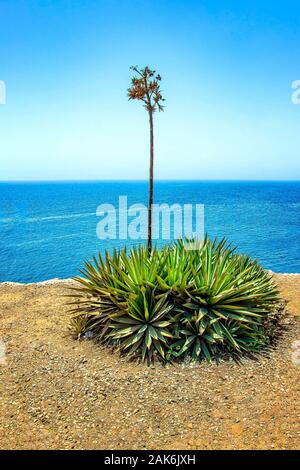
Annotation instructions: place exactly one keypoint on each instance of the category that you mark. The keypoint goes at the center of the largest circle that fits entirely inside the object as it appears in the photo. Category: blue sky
(227, 69)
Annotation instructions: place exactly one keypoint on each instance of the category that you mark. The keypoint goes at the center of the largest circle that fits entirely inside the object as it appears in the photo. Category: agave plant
(144, 326)
(176, 302)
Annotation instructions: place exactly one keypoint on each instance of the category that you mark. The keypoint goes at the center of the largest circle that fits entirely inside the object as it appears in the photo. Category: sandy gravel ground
(56, 392)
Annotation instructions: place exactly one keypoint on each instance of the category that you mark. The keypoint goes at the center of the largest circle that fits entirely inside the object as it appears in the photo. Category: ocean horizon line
(140, 180)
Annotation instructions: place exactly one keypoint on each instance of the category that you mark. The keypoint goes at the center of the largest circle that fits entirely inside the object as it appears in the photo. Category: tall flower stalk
(145, 86)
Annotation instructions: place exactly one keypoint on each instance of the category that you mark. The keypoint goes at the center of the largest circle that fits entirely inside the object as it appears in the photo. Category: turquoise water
(47, 229)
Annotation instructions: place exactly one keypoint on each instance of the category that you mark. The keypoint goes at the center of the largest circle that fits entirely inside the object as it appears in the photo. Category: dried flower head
(145, 87)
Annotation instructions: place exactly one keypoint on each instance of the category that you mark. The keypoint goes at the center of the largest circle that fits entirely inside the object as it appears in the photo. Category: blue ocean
(48, 229)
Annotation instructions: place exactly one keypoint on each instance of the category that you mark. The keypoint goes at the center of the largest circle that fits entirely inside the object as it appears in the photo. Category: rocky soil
(59, 393)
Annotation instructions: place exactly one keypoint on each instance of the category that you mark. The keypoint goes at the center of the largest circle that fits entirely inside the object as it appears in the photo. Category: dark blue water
(48, 229)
